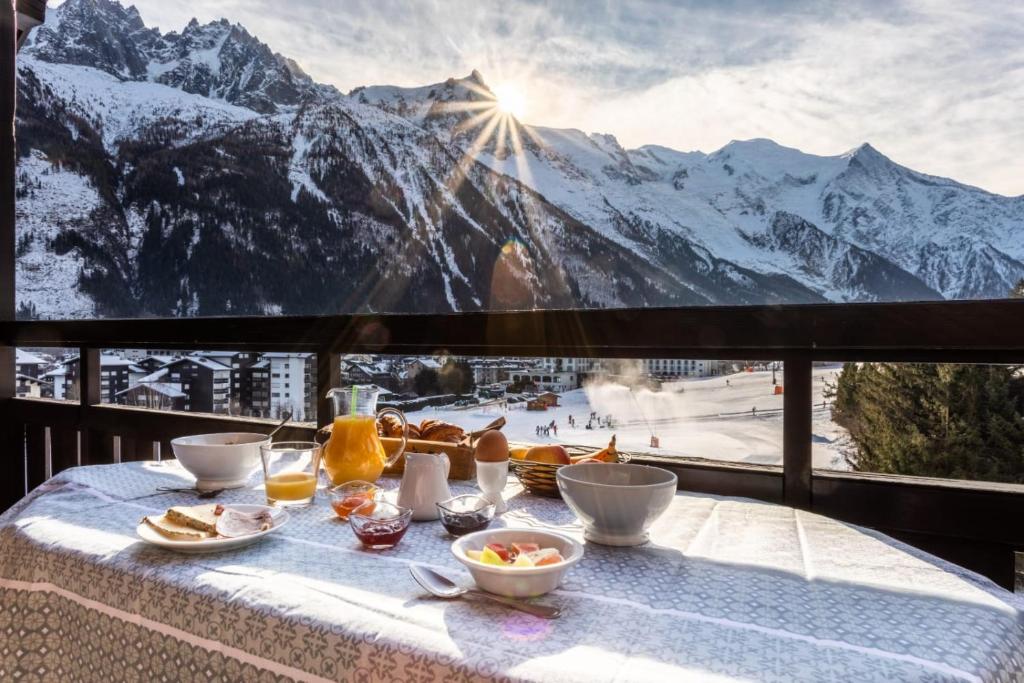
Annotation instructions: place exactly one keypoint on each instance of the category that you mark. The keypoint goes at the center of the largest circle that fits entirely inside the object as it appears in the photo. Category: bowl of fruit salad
(517, 563)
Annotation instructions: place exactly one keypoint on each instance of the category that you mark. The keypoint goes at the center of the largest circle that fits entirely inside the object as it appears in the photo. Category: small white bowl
(220, 461)
(616, 503)
(518, 582)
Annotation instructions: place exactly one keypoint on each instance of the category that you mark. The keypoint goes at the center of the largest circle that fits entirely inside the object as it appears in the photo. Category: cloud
(938, 86)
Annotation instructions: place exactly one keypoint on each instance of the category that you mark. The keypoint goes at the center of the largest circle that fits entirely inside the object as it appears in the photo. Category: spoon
(287, 416)
(443, 587)
(210, 493)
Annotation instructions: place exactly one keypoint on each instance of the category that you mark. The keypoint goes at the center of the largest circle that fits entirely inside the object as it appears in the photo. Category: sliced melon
(488, 556)
(523, 560)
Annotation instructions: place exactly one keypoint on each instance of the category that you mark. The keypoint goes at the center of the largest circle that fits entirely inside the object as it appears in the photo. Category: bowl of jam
(348, 496)
(465, 514)
(379, 525)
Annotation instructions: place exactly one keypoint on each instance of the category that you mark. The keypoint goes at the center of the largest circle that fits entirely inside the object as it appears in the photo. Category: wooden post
(796, 431)
(96, 446)
(328, 376)
(12, 432)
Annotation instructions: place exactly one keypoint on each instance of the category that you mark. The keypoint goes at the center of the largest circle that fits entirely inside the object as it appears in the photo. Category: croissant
(389, 425)
(442, 431)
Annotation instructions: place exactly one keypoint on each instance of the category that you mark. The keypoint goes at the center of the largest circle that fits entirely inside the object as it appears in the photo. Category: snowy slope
(952, 240)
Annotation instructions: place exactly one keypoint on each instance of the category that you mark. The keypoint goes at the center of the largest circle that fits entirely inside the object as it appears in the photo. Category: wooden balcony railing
(972, 523)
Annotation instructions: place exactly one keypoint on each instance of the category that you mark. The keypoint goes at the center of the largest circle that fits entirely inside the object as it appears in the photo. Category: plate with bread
(210, 528)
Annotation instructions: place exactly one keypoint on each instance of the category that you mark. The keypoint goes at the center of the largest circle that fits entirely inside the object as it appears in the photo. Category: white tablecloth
(728, 589)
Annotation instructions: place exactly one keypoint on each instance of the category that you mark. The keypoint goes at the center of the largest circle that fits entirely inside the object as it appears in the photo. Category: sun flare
(511, 100)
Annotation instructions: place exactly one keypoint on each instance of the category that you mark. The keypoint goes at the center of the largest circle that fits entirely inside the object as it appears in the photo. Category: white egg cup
(492, 477)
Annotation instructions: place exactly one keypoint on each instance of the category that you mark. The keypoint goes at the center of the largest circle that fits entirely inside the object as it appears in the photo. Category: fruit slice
(501, 551)
(546, 556)
(606, 454)
(474, 554)
(523, 560)
(523, 548)
(488, 556)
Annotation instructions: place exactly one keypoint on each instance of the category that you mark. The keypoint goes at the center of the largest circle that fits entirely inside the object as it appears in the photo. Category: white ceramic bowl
(220, 461)
(616, 503)
(518, 582)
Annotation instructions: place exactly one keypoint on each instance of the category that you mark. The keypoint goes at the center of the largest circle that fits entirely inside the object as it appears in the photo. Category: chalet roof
(168, 390)
(215, 354)
(199, 360)
(287, 354)
(161, 359)
(371, 368)
(154, 376)
(26, 358)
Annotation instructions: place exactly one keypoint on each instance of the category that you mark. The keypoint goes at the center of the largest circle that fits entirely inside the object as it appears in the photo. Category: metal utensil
(211, 493)
(287, 416)
(443, 587)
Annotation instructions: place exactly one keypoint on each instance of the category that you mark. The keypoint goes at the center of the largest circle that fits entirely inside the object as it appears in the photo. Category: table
(729, 589)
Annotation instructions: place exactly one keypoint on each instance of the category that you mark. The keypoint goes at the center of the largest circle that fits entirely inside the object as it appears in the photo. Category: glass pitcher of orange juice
(354, 451)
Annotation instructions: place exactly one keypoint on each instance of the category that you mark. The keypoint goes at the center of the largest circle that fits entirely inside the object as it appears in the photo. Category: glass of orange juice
(290, 472)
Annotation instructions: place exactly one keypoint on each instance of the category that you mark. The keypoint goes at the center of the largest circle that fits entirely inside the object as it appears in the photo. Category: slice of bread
(173, 530)
(201, 517)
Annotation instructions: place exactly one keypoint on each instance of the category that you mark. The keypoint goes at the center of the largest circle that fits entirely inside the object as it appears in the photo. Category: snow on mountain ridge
(751, 222)
(218, 60)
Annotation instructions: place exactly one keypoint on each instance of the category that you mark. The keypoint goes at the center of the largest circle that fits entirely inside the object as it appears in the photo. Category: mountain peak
(219, 60)
(868, 158)
(476, 77)
(865, 152)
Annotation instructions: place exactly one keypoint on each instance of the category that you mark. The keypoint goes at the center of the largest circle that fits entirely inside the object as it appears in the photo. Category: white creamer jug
(424, 484)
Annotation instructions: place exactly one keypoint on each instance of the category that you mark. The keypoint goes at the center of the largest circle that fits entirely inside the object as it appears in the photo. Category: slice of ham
(234, 523)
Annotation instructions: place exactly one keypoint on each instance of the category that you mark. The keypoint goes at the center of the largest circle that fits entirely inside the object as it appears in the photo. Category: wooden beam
(947, 331)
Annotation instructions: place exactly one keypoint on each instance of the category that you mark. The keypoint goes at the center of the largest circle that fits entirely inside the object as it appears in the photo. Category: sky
(935, 85)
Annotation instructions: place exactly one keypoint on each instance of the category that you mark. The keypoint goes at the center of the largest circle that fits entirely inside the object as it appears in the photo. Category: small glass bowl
(465, 514)
(348, 496)
(379, 525)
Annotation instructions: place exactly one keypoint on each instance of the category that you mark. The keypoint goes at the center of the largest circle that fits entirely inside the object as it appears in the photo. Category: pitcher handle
(405, 439)
(447, 464)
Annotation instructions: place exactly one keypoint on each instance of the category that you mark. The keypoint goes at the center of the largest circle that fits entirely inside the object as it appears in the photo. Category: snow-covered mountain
(201, 173)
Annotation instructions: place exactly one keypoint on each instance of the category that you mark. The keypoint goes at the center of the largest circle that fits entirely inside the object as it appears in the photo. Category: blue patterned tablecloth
(728, 589)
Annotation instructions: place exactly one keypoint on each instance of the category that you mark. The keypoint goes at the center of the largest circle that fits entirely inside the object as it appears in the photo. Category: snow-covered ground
(703, 417)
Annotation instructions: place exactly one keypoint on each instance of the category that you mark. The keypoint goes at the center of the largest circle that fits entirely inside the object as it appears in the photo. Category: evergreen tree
(426, 383)
(1018, 290)
(456, 377)
(933, 420)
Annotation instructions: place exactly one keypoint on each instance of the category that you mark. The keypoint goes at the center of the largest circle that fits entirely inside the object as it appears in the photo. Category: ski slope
(713, 418)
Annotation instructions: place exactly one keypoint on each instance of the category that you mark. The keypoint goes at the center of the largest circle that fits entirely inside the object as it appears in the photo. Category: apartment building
(206, 383)
(292, 385)
(116, 375)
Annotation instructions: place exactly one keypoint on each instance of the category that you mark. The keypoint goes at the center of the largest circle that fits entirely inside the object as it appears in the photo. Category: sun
(511, 99)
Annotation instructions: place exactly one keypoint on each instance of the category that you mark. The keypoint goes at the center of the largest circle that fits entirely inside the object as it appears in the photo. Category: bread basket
(539, 477)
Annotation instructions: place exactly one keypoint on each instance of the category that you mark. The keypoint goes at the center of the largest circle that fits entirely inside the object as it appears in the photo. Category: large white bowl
(220, 461)
(616, 503)
(518, 582)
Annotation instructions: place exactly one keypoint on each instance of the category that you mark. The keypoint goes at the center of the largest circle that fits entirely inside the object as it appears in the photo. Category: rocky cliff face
(199, 173)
